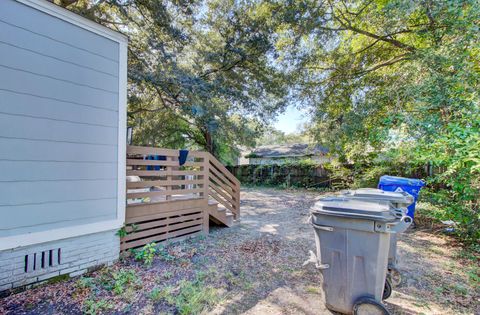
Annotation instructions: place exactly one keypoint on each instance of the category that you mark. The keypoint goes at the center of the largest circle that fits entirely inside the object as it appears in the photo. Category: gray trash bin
(400, 200)
(352, 238)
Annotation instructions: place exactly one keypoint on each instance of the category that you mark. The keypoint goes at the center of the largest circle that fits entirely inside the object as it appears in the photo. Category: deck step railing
(168, 201)
(223, 186)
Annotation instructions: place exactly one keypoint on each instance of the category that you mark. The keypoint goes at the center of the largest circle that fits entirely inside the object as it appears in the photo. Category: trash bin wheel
(387, 289)
(395, 276)
(369, 306)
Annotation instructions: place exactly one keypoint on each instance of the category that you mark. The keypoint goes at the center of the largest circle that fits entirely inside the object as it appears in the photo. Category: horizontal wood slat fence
(223, 186)
(166, 201)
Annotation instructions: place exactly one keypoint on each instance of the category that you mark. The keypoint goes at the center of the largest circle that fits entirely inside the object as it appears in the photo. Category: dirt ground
(256, 267)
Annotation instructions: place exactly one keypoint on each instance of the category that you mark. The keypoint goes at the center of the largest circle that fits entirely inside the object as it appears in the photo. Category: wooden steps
(219, 214)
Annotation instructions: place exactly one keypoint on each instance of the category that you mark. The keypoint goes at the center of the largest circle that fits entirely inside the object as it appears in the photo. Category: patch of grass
(231, 278)
(164, 255)
(123, 282)
(202, 260)
(456, 289)
(85, 283)
(30, 306)
(127, 308)
(312, 290)
(459, 289)
(440, 290)
(451, 266)
(288, 269)
(433, 277)
(468, 253)
(436, 250)
(122, 279)
(422, 304)
(130, 294)
(471, 256)
(474, 276)
(247, 285)
(194, 297)
(166, 293)
(58, 279)
(156, 295)
(92, 307)
(202, 275)
(167, 275)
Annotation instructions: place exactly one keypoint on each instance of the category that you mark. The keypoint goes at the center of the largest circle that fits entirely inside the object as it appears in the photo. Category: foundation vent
(42, 260)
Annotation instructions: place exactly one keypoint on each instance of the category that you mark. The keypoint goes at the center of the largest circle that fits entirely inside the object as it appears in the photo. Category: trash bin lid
(355, 208)
(402, 181)
(403, 199)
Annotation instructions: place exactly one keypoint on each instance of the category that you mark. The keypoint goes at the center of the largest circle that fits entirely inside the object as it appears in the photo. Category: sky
(290, 120)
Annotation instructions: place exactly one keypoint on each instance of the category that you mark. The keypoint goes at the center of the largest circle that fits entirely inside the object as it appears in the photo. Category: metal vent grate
(42, 260)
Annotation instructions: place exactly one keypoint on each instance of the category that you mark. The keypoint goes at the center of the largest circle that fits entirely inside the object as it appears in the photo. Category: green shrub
(164, 254)
(146, 254)
(290, 174)
(93, 307)
(122, 279)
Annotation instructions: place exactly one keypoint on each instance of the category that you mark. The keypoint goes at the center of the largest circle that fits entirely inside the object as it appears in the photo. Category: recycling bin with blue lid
(402, 184)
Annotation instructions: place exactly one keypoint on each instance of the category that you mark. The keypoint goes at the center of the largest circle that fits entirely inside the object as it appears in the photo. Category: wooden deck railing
(166, 200)
(223, 186)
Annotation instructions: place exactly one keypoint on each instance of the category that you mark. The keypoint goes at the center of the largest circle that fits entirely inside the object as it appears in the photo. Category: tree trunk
(208, 142)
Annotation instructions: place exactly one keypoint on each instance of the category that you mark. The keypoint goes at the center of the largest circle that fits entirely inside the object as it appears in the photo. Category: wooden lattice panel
(162, 226)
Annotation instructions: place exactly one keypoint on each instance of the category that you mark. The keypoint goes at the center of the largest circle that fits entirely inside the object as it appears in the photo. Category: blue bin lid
(401, 181)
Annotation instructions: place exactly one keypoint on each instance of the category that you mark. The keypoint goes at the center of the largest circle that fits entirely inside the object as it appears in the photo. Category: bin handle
(404, 223)
(320, 227)
(314, 259)
(320, 266)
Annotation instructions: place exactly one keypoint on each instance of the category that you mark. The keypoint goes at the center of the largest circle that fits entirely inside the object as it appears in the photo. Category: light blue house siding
(62, 103)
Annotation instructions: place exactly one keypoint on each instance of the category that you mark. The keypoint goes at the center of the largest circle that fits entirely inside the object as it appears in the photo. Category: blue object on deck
(182, 156)
(157, 158)
(150, 167)
(398, 184)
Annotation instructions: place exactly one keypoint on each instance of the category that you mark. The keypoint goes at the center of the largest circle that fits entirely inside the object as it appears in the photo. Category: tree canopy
(201, 73)
(391, 85)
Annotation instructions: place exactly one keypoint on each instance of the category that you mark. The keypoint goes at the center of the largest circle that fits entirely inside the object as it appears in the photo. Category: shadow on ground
(255, 267)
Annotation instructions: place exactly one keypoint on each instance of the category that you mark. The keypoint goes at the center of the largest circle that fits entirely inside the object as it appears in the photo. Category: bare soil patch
(255, 267)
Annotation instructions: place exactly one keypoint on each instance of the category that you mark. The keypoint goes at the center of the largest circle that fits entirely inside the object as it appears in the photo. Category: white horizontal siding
(55, 29)
(52, 49)
(43, 86)
(29, 105)
(43, 217)
(59, 123)
(23, 193)
(25, 60)
(15, 170)
(45, 129)
(33, 150)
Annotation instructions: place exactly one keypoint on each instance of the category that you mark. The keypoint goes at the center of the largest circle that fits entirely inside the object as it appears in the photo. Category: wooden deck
(166, 201)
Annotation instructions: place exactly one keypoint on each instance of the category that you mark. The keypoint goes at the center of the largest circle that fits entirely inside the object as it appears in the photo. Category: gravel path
(255, 267)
